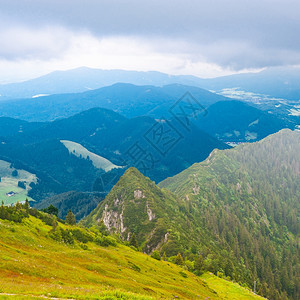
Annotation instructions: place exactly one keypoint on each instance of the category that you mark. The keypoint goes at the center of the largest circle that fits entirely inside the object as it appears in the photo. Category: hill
(40, 260)
(232, 214)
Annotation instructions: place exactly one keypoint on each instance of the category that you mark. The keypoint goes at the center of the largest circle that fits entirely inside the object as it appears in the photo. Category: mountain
(136, 205)
(248, 197)
(91, 150)
(234, 209)
(84, 79)
(68, 262)
(126, 99)
(280, 82)
(236, 121)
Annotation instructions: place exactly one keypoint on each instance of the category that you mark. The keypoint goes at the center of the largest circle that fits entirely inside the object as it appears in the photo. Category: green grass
(33, 264)
(10, 183)
(99, 162)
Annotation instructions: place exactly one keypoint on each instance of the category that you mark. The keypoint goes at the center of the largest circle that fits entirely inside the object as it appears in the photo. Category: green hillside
(248, 198)
(43, 258)
(236, 214)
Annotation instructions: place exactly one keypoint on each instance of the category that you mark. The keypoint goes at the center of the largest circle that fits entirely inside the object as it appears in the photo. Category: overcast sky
(206, 38)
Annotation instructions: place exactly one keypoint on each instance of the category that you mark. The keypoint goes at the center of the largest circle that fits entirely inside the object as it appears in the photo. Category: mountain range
(280, 82)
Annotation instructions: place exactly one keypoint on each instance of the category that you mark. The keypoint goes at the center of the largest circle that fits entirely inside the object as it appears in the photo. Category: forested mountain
(248, 197)
(41, 148)
(127, 99)
(236, 121)
(236, 214)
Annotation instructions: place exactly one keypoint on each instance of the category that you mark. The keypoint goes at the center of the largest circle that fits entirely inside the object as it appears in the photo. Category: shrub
(155, 254)
(106, 241)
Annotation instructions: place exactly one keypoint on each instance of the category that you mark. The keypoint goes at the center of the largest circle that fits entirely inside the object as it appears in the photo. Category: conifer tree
(70, 218)
(133, 241)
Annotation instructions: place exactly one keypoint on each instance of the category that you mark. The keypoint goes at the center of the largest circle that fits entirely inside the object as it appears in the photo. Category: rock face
(113, 220)
(137, 205)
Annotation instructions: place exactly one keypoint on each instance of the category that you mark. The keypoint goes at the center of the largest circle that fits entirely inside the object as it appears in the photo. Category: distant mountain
(235, 121)
(84, 79)
(126, 99)
(280, 82)
(234, 209)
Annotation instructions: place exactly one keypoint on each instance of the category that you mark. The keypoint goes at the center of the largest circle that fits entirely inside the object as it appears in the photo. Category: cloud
(172, 36)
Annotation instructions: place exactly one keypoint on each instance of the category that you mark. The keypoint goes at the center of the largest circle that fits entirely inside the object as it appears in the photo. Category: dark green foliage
(70, 218)
(81, 203)
(81, 235)
(22, 184)
(133, 241)
(156, 255)
(13, 213)
(51, 210)
(106, 241)
(14, 173)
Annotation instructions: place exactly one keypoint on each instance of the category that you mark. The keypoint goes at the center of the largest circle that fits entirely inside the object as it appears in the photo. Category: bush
(155, 254)
(106, 241)
(81, 235)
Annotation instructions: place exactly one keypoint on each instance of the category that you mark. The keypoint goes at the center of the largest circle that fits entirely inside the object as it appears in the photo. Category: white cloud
(48, 49)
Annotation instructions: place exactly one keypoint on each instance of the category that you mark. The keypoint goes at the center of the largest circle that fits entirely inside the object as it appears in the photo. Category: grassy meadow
(32, 265)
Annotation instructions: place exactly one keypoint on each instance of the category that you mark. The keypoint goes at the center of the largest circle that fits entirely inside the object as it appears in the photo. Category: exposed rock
(196, 189)
(138, 194)
(112, 219)
(151, 215)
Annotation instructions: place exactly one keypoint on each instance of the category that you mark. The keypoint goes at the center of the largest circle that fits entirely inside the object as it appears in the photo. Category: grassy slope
(33, 264)
(9, 183)
(98, 161)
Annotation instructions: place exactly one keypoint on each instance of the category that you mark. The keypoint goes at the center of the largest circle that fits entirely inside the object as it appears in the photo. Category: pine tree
(70, 218)
(133, 241)
(27, 206)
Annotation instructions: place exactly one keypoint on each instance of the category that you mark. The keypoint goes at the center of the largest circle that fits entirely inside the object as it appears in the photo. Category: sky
(206, 38)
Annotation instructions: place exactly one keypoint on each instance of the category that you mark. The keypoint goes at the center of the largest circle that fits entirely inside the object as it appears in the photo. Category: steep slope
(136, 205)
(40, 260)
(235, 121)
(248, 197)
